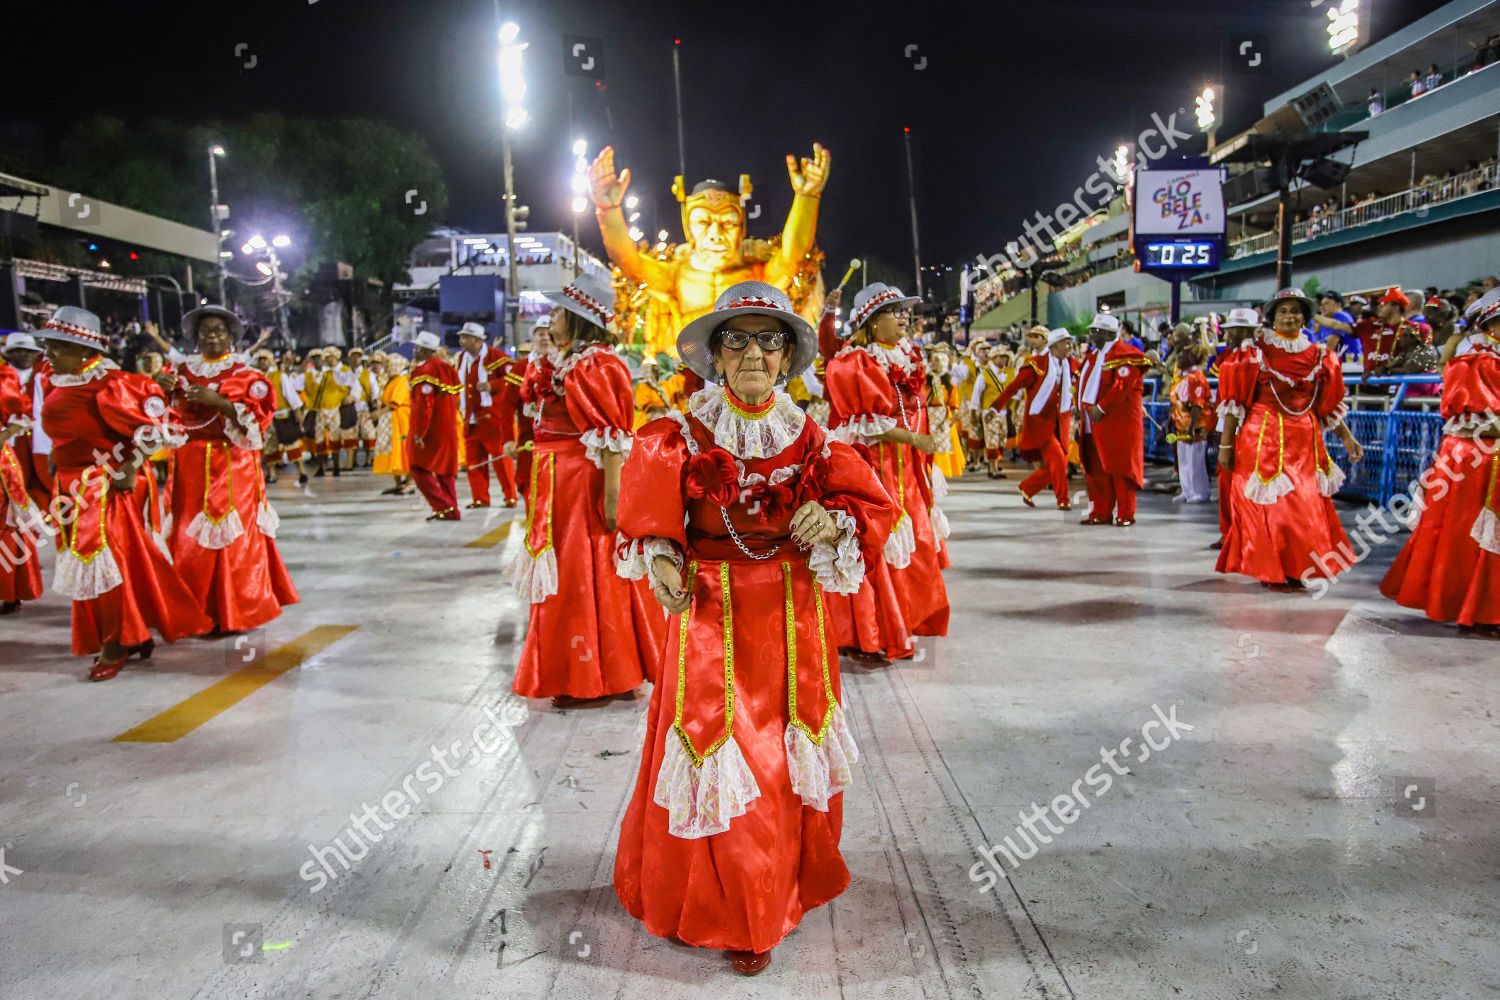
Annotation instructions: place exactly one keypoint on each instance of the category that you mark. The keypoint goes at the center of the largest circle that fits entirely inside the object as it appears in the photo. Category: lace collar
(1292, 345)
(567, 364)
(92, 372)
(203, 368)
(887, 357)
(744, 434)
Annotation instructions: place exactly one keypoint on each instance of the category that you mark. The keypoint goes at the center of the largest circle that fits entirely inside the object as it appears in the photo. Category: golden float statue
(660, 287)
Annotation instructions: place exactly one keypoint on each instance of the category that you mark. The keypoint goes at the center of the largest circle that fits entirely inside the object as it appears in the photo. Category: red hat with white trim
(756, 298)
(74, 326)
(872, 298)
(589, 296)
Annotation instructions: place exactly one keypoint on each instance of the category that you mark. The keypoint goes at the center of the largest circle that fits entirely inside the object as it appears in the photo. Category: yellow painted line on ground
(491, 538)
(182, 718)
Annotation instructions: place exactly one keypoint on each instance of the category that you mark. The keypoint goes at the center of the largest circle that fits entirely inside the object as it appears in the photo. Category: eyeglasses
(738, 340)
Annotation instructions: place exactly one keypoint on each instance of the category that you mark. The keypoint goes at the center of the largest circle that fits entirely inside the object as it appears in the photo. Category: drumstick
(853, 264)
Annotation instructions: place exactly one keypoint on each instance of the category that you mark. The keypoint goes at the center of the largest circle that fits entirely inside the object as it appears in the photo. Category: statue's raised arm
(808, 178)
(607, 189)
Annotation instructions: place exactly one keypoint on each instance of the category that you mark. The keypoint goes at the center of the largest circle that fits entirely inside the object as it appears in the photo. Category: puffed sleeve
(254, 406)
(15, 405)
(1331, 407)
(652, 515)
(1471, 393)
(600, 402)
(1237, 377)
(133, 405)
(846, 484)
(860, 392)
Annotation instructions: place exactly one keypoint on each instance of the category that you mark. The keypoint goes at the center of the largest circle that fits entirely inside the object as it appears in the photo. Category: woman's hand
(925, 442)
(203, 394)
(1226, 455)
(668, 589)
(812, 525)
(1355, 450)
(509, 449)
(166, 380)
(123, 481)
(611, 507)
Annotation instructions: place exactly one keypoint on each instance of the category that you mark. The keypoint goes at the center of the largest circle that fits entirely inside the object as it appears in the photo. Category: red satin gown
(732, 834)
(223, 525)
(20, 569)
(871, 390)
(1450, 566)
(591, 633)
(121, 581)
(1283, 525)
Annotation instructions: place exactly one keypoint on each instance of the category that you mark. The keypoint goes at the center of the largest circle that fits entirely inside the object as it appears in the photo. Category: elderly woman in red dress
(104, 424)
(1277, 402)
(744, 517)
(20, 570)
(876, 388)
(1450, 567)
(592, 634)
(223, 525)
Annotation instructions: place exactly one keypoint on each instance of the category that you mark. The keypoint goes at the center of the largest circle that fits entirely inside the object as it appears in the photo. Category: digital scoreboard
(1178, 220)
(1170, 254)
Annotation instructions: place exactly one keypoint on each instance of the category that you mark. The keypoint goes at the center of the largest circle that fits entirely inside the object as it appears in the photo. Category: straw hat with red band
(588, 296)
(872, 298)
(74, 325)
(752, 298)
(1303, 300)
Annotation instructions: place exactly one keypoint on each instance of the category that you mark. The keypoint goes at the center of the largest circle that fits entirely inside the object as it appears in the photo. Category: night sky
(1008, 112)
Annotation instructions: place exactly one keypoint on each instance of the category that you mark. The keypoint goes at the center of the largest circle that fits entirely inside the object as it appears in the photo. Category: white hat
(754, 298)
(74, 326)
(472, 329)
(1058, 336)
(1478, 306)
(544, 323)
(428, 340)
(20, 342)
(588, 296)
(873, 297)
(1104, 321)
(1242, 317)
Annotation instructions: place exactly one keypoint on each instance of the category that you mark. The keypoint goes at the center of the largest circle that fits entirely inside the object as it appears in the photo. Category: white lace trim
(902, 543)
(889, 357)
(103, 368)
(940, 526)
(596, 442)
(203, 368)
(566, 365)
(1471, 424)
(152, 438)
(535, 579)
(1486, 531)
(1292, 345)
(1336, 417)
(211, 535)
(640, 554)
(839, 566)
(1265, 493)
(863, 429)
(84, 581)
(1331, 481)
(939, 485)
(819, 773)
(244, 431)
(763, 437)
(267, 520)
(21, 422)
(1229, 408)
(700, 801)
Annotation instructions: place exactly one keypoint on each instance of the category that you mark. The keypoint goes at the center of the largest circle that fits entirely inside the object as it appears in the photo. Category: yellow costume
(393, 429)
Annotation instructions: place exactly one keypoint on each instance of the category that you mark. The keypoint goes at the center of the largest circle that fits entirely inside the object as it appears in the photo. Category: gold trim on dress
(677, 727)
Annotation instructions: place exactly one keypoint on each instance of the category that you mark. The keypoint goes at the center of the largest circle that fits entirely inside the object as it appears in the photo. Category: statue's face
(715, 235)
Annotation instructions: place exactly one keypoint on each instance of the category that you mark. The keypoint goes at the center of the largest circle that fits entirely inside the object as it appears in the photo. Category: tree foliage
(338, 188)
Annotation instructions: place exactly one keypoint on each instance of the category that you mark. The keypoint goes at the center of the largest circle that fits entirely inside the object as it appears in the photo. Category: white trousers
(1192, 471)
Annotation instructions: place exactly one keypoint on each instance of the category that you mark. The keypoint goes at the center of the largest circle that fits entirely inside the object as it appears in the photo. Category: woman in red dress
(104, 424)
(744, 517)
(20, 570)
(1277, 402)
(876, 388)
(1450, 567)
(591, 633)
(223, 525)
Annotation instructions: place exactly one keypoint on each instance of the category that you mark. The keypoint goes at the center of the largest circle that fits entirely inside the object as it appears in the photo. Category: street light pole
(911, 190)
(214, 152)
(280, 301)
(512, 291)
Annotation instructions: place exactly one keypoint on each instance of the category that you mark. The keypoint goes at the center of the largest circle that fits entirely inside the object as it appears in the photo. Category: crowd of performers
(726, 527)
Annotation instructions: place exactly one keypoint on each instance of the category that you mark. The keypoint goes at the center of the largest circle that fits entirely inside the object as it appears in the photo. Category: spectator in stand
(1434, 79)
(1486, 52)
(1416, 83)
(1331, 317)
(1374, 102)
(1128, 335)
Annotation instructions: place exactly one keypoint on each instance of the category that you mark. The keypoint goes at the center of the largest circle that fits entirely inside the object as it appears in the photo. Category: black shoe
(317, 475)
(301, 479)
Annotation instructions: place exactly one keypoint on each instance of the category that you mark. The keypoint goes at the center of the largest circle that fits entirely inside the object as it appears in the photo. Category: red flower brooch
(712, 476)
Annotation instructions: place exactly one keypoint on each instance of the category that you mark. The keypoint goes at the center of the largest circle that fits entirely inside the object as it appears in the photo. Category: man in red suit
(1047, 377)
(433, 444)
(482, 370)
(1110, 423)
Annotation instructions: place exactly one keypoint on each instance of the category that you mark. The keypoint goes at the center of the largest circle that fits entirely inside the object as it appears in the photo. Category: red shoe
(1217, 545)
(1026, 499)
(1121, 522)
(1093, 520)
(1064, 505)
(750, 963)
(476, 505)
(1487, 631)
(102, 671)
(868, 659)
(510, 501)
